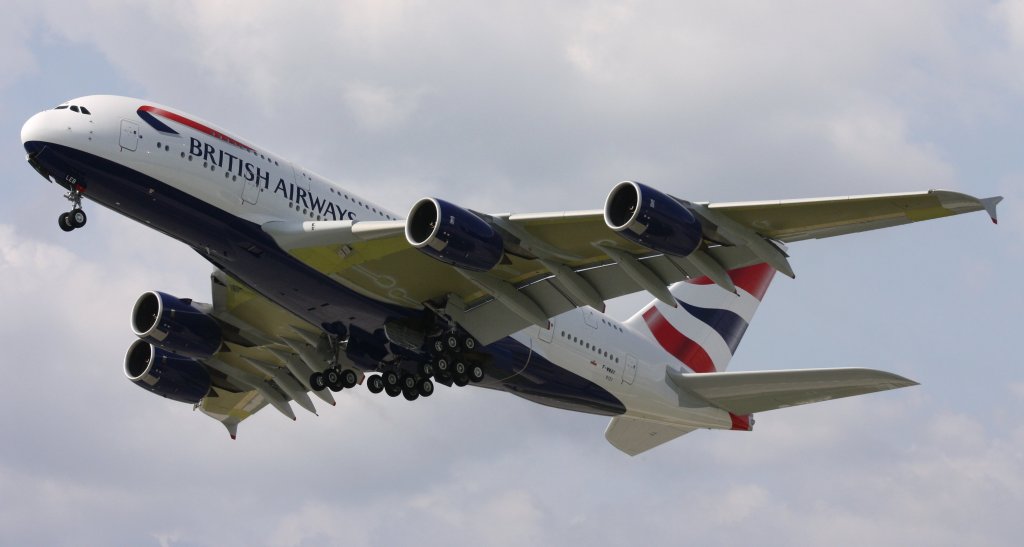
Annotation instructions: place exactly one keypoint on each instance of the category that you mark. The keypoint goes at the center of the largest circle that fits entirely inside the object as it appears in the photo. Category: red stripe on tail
(753, 279)
(687, 351)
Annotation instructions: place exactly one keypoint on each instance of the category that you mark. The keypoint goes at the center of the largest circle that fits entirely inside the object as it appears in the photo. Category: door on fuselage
(629, 374)
(129, 135)
(251, 190)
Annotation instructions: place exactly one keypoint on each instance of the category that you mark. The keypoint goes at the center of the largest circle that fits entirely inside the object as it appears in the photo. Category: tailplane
(704, 331)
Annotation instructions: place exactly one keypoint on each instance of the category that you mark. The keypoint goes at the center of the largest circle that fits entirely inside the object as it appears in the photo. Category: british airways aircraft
(316, 290)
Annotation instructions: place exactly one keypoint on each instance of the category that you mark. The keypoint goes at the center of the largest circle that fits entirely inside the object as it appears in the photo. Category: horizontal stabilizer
(634, 435)
(750, 392)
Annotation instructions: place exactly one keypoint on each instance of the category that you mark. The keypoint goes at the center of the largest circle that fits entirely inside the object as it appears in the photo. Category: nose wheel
(75, 218)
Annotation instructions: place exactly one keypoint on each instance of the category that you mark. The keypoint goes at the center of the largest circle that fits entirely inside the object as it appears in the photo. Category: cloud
(529, 107)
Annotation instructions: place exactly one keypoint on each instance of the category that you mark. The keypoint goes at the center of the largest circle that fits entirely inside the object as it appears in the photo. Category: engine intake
(453, 235)
(175, 325)
(650, 218)
(166, 374)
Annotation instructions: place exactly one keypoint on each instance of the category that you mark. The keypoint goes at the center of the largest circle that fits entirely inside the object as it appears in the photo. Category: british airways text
(251, 172)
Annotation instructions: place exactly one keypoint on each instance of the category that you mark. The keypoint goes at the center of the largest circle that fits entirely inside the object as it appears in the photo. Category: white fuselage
(253, 184)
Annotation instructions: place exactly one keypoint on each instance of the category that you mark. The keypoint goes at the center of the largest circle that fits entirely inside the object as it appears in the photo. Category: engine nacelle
(453, 235)
(174, 325)
(166, 374)
(650, 218)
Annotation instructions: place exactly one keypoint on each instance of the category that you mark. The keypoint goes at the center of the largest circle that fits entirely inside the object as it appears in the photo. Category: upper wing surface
(796, 220)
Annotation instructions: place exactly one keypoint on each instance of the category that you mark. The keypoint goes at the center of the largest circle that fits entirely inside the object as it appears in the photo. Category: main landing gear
(75, 218)
(453, 361)
(334, 378)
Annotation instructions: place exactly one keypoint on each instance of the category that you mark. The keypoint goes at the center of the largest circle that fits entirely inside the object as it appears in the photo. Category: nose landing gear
(75, 218)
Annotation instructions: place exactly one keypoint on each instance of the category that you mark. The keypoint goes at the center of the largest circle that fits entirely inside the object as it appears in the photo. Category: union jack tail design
(705, 330)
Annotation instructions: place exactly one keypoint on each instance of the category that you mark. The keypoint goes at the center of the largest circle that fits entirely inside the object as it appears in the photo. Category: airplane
(316, 290)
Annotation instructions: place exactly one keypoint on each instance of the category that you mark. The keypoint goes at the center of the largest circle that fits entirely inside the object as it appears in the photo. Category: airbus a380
(316, 290)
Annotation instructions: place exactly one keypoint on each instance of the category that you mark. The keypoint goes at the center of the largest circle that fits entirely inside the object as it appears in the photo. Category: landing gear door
(129, 135)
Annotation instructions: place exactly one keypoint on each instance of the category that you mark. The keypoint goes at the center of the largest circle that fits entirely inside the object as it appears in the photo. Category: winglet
(990, 207)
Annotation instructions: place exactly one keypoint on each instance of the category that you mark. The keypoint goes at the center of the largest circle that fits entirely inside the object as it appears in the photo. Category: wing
(750, 392)
(796, 220)
(555, 262)
(267, 358)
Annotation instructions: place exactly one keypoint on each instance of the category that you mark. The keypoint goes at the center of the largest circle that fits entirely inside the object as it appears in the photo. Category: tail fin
(705, 330)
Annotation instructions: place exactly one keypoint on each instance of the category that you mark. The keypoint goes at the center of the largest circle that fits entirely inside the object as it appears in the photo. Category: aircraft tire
(476, 374)
(452, 341)
(333, 380)
(411, 394)
(375, 384)
(317, 381)
(408, 382)
(77, 218)
(461, 380)
(64, 221)
(425, 387)
(392, 391)
(349, 378)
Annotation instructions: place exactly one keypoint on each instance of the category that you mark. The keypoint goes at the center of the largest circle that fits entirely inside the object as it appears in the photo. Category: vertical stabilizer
(705, 330)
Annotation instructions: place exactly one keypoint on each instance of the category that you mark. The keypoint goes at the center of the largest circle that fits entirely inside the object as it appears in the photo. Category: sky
(538, 106)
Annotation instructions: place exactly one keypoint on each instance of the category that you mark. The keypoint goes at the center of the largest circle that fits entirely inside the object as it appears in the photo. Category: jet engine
(166, 374)
(453, 235)
(650, 218)
(175, 325)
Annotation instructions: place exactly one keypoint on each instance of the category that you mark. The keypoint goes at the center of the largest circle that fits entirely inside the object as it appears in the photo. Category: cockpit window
(74, 108)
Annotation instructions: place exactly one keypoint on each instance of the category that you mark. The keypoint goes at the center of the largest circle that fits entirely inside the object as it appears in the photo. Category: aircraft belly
(242, 250)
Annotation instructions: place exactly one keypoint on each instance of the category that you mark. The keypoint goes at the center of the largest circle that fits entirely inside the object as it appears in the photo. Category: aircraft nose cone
(35, 132)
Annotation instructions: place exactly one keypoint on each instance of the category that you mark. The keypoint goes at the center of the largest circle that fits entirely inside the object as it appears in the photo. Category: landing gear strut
(75, 218)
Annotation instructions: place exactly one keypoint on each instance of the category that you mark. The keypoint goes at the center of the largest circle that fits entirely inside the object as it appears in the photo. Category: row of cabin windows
(585, 344)
(295, 206)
